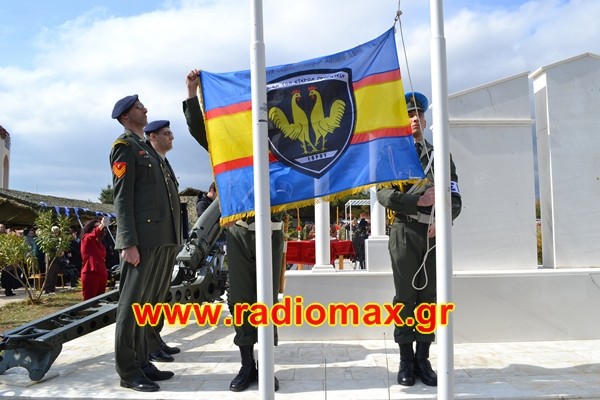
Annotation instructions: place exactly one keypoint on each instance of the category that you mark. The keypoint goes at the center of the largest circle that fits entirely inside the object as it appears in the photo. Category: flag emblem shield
(311, 119)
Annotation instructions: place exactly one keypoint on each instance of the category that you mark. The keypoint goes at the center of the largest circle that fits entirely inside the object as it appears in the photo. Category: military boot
(422, 365)
(248, 373)
(406, 373)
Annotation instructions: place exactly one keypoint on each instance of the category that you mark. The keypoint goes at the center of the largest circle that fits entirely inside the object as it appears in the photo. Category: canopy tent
(354, 202)
(22, 208)
(348, 209)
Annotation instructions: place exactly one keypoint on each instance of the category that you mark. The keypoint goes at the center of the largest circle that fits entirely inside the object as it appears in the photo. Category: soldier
(412, 235)
(148, 236)
(161, 138)
(241, 256)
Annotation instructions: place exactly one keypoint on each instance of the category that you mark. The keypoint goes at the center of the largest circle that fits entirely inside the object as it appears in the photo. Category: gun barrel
(201, 238)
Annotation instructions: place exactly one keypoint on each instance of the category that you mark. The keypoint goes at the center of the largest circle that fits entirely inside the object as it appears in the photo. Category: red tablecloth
(303, 251)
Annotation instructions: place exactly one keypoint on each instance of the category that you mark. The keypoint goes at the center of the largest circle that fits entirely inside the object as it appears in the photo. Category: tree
(107, 195)
(53, 242)
(17, 259)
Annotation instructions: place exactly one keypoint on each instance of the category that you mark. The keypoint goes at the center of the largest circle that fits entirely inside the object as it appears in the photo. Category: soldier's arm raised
(191, 109)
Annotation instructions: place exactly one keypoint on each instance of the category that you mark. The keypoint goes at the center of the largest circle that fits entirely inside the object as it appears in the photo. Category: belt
(275, 226)
(420, 217)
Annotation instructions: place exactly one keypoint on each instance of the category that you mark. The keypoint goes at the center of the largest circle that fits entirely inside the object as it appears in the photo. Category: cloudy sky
(64, 63)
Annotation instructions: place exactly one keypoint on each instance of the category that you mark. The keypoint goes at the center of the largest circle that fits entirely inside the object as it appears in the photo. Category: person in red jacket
(94, 274)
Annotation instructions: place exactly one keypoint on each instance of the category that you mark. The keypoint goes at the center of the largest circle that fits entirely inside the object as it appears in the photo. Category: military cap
(123, 105)
(156, 125)
(416, 101)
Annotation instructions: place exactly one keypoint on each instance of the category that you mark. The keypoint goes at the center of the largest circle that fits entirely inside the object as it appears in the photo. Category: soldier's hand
(131, 255)
(191, 82)
(230, 224)
(431, 231)
(427, 198)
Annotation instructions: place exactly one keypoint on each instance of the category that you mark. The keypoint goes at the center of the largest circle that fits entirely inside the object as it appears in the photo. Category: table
(303, 251)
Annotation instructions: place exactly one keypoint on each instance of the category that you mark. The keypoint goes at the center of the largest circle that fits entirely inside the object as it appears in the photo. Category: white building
(4, 157)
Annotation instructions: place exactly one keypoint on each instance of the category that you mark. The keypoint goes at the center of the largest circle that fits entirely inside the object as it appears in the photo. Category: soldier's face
(138, 114)
(417, 123)
(164, 139)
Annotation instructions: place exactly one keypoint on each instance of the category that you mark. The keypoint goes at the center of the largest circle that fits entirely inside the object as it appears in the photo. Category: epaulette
(120, 141)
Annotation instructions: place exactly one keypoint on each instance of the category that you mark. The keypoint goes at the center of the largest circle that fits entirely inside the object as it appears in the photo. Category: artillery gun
(198, 276)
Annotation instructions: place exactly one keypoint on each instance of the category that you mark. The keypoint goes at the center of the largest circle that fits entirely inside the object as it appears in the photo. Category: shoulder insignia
(120, 141)
(119, 168)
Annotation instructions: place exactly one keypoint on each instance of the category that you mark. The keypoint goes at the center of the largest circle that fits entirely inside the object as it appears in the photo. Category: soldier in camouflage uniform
(412, 234)
(241, 255)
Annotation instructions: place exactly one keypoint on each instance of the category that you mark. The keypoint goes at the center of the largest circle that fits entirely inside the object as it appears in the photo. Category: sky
(64, 64)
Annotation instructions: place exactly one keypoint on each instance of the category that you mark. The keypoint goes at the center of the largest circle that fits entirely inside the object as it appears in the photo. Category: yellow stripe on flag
(230, 137)
(380, 106)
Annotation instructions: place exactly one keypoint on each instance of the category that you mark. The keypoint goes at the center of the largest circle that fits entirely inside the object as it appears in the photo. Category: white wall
(499, 293)
(567, 96)
(492, 306)
(491, 141)
(4, 164)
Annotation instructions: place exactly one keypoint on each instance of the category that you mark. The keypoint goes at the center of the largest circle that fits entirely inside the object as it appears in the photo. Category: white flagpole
(443, 213)
(262, 201)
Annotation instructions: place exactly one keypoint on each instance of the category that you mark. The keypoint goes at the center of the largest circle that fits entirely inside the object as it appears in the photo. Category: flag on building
(337, 125)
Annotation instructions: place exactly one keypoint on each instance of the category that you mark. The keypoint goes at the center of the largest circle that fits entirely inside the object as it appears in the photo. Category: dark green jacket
(195, 121)
(398, 200)
(146, 201)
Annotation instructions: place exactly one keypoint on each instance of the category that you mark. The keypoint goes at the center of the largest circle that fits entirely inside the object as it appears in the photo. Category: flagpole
(262, 201)
(443, 214)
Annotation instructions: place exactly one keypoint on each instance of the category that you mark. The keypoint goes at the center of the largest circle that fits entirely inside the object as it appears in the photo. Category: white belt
(275, 226)
(422, 218)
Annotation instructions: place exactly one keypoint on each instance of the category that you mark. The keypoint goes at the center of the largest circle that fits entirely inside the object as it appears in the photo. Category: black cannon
(199, 276)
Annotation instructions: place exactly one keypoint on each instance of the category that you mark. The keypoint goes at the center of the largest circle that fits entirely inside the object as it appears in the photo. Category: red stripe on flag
(233, 164)
(378, 79)
(240, 163)
(230, 109)
(380, 133)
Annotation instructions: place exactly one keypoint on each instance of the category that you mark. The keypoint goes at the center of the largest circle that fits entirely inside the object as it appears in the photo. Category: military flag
(337, 125)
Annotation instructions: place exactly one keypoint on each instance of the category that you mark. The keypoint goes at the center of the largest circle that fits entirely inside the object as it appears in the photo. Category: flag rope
(429, 160)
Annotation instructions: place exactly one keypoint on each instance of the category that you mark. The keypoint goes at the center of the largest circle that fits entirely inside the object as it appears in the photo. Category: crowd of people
(72, 266)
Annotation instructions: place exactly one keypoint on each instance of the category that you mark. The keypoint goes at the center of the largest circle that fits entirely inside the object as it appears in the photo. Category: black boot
(248, 373)
(406, 374)
(275, 380)
(423, 366)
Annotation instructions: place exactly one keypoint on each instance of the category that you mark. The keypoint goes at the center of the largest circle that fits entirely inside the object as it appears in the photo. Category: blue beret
(123, 105)
(416, 101)
(156, 125)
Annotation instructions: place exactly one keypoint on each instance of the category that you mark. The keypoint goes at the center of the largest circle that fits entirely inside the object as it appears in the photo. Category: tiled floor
(319, 370)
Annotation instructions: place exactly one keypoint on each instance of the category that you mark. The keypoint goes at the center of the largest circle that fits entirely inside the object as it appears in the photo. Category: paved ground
(319, 370)
(19, 295)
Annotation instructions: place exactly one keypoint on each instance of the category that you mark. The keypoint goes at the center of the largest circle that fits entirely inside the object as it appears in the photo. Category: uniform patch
(454, 187)
(120, 141)
(119, 168)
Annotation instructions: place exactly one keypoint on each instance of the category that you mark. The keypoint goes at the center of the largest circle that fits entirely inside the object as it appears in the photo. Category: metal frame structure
(348, 208)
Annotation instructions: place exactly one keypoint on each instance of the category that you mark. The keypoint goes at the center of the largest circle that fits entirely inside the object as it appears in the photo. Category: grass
(19, 313)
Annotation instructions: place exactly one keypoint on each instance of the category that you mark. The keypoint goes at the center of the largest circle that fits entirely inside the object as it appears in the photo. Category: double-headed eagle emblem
(299, 129)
